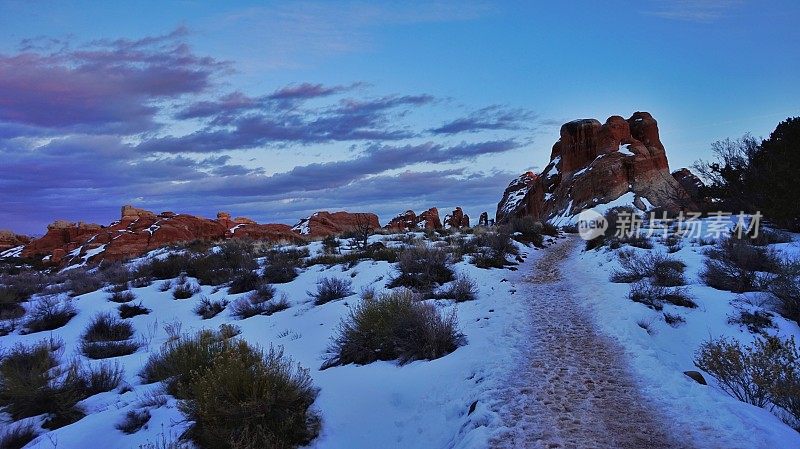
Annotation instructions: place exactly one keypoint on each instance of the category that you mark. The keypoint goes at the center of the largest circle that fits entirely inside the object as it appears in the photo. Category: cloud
(100, 87)
(489, 118)
(239, 122)
(702, 11)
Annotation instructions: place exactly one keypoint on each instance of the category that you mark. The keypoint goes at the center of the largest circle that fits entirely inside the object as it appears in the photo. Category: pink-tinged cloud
(101, 87)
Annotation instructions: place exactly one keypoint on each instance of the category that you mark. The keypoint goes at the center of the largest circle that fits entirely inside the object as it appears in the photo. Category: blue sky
(275, 110)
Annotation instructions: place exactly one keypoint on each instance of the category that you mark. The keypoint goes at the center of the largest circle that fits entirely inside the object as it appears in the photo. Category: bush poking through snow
(247, 398)
(208, 308)
(16, 437)
(460, 290)
(259, 302)
(673, 320)
(185, 290)
(133, 422)
(734, 265)
(282, 265)
(662, 269)
(122, 296)
(108, 336)
(245, 281)
(493, 249)
(48, 313)
(654, 296)
(80, 281)
(785, 287)
(422, 268)
(132, 310)
(331, 289)
(755, 322)
(393, 326)
(767, 371)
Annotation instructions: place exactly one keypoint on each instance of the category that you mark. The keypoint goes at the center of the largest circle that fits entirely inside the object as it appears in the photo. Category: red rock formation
(323, 224)
(10, 240)
(483, 220)
(595, 164)
(139, 231)
(457, 219)
(408, 220)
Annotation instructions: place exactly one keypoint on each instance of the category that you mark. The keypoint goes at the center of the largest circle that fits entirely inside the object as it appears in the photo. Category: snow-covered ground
(659, 358)
(423, 404)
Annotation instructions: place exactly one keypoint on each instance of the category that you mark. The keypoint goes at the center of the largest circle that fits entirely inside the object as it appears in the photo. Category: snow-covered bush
(786, 288)
(393, 326)
(260, 302)
(493, 248)
(208, 308)
(423, 268)
(246, 398)
(108, 336)
(122, 296)
(16, 437)
(282, 265)
(734, 265)
(460, 290)
(185, 289)
(48, 313)
(134, 420)
(330, 289)
(165, 268)
(244, 281)
(654, 296)
(132, 310)
(663, 270)
(766, 372)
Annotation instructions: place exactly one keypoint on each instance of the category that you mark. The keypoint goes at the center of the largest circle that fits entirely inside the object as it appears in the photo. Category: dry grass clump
(422, 268)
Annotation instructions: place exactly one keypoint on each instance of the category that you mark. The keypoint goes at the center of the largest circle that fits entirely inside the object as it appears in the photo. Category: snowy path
(572, 389)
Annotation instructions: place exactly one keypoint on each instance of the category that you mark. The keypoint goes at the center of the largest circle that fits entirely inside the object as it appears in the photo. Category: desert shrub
(393, 327)
(228, 330)
(733, 264)
(549, 229)
(768, 236)
(208, 308)
(492, 249)
(17, 437)
(330, 244)
(460, 290)
(785, 287)
(49, 313)
(132, 310)
(673, 320)
(133, 422)
(140, 282)
(331, 289)
(595, 243)
(25, 379)
(122, 297)
(30, 384)
(663, 270)
(185, 290)
(22, 285)
(81, 281)
(654, 296)
(754, 373)
(422, 268)
(380, 252)
(176, 360)
(247, 398)
(224, 263)
(523, 229)
(349, 259)
(165, 268)
(10, 306)
(107, 336)
(165, 286)
(282, 265)
(260, 302)
(754, 321)
(244, 282)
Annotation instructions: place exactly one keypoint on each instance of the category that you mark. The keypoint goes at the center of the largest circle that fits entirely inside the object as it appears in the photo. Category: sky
(275, 110)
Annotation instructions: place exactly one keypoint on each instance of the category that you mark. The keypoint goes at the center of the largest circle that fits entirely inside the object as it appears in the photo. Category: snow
(624, 149)
(302, 227)
(12, 252)
(423, 404)
(708, 414)
(233, 229)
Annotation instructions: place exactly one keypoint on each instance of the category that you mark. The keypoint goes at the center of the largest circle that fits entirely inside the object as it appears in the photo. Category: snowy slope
(423, 404)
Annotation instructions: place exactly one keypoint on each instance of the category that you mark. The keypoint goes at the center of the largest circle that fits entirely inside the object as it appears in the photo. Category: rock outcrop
(10, 240)
(322, 224)
(408, 220)
(139, 231)
(592, 164)
(483, 220)
(457, 219)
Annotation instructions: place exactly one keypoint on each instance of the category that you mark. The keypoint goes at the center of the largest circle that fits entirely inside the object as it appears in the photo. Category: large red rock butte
(621, 161)
(9, 240)
(139, 231)
(457, 219)
(323, 224)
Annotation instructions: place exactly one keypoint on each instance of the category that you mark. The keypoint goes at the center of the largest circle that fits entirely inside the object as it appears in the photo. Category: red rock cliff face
(594, 163)
(322, 224)
(408, 220)
(139, 231)
(10, 240)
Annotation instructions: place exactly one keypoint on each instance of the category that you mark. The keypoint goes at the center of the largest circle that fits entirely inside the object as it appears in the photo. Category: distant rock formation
(457, 219)
(408, 220)
(139, 231)
(322, 224)
(483, 220)
(591, 164)
(10, 240)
